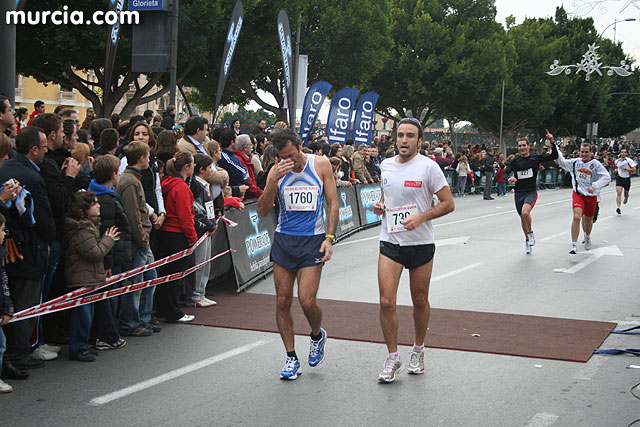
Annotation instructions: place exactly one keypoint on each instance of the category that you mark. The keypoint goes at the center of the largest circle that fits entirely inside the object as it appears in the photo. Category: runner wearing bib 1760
(625, 166)
(409, 181)
(301, 244)
(525, 169)
(588, 177)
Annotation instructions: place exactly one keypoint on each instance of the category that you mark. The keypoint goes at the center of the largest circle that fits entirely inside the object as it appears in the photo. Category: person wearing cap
(441, 158)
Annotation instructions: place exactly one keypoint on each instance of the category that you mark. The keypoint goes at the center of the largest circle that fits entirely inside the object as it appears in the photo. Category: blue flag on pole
(339, 121)
(362, 125)
(313, 100)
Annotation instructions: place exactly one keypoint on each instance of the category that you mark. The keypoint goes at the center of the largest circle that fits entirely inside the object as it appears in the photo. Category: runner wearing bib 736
(409, 182)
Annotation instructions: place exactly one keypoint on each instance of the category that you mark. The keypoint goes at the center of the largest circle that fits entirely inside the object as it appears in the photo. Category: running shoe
(291, 369)
(587, 243)
(416, 363)
(618, 211)
(532, 238)
(528, 248)
(51, 348)
(316, 349)
(574, 250)
(626, 199)
(389, 370)
(5, 388)
(42, 354)
(103, 345)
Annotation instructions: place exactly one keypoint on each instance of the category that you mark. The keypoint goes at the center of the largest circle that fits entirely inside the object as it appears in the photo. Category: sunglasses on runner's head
(412, 121)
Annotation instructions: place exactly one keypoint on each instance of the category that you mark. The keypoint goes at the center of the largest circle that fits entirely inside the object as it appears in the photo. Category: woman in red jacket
(176, 234)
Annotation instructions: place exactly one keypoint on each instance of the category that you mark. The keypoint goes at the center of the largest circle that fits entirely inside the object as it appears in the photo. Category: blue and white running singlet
(301, 202)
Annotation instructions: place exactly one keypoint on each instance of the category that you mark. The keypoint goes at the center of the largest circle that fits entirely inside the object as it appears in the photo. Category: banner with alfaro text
(339, 120)
(313, 100)
(252, 241)
(284, 36)
(368, 195)
(362, 125)
(229, 48)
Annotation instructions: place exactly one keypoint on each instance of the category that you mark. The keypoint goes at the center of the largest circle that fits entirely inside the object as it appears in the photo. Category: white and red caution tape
(77, 302)
(118, 277)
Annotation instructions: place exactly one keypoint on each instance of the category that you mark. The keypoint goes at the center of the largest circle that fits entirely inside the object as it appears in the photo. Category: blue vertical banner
(111, 47)
(362, 125)
(284, 36)
(339, 120)
(229, 48)
(313, 100)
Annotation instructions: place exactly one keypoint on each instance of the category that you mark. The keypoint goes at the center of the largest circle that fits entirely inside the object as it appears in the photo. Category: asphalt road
(199, 376)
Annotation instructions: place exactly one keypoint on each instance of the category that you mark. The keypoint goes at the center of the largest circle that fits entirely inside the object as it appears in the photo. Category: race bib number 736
(396, 216)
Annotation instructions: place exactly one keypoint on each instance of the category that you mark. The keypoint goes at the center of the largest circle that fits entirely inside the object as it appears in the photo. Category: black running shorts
(409, 256)
(623, 182)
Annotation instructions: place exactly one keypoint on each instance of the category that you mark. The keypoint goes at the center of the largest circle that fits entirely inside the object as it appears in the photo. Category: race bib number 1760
(301, 198)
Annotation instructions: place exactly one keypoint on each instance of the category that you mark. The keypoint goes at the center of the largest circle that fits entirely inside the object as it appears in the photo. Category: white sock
(586, 236)
(395, 356)
(418, 348)
(574, 243)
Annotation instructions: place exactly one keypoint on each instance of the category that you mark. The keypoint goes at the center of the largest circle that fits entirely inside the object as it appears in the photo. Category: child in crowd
(105, 179)
(85, 252)
(6, 306)
(204, 221)
(135, 307)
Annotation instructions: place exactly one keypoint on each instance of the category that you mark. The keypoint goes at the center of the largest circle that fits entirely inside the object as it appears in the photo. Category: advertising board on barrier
(252, 240)
(348, 218)
(368, 195)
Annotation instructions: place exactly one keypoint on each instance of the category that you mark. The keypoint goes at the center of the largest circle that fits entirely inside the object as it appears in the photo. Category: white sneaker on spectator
(212, 302)
(5, 388)
(204, 303)
(42, 354)
(186, 318)
(51, 348)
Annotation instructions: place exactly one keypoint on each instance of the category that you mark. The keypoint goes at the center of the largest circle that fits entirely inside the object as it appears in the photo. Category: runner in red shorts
(588, 177)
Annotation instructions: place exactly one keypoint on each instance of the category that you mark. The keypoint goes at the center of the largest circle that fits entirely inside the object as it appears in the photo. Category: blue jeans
(54, 257)
(3, 346)
(79, 328)
(502, 188)
(135, 307)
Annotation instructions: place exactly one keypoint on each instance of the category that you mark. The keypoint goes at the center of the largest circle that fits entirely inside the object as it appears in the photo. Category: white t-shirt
(627, 163)
(408, 189)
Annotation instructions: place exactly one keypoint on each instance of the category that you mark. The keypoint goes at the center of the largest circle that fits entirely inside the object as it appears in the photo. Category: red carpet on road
(510, 334)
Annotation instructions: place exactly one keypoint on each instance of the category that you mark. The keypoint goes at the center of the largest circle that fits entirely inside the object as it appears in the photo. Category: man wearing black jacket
(61, 183)
(25, 276)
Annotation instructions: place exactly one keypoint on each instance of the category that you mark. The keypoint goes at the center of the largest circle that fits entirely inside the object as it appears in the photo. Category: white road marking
(593, 256)
(495, 214)
(636, 208)
(591, 368)
(439, 243)
(454, 272)
(542, 419)
(552, 236)
(174, 374)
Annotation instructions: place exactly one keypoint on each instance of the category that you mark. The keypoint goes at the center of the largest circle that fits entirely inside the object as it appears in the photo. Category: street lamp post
(615, 27)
